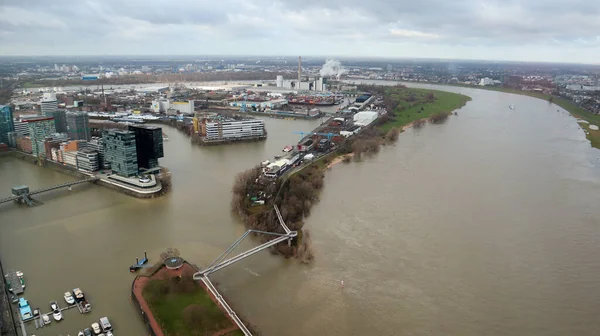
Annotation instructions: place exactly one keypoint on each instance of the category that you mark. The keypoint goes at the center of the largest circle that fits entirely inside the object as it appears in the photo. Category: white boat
(55, 311)
(96, 328)
(80, 333)
(69, 298)
(46, 319)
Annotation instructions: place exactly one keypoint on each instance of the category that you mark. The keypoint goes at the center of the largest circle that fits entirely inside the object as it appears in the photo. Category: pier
(23, 194)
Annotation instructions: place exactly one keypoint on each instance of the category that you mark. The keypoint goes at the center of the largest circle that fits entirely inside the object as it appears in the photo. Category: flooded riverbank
(486, 224)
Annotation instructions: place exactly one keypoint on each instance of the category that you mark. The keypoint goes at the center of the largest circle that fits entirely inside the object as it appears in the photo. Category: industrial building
(120, 152)
(149, 145)
(6, 123)
(78, 126)
(164, 105)
(39, 130)
(231, 129)
(48, 104)
(365, 118)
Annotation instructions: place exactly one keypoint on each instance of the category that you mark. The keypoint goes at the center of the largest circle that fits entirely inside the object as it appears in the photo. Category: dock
(15, 282)
(39, 323)
(139, 263)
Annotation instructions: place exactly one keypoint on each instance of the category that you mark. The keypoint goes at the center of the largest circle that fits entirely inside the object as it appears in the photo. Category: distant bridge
(22, 193)
(221, 263)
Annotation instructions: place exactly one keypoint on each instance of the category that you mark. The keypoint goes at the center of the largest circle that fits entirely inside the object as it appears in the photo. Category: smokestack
(299, 70)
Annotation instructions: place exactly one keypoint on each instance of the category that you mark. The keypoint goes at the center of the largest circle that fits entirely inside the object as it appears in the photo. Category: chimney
(299, 70)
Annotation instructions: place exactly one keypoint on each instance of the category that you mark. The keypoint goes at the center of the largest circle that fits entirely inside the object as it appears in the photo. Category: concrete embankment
(163, 180)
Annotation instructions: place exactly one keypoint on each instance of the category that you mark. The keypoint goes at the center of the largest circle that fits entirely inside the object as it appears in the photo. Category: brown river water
(486, 225)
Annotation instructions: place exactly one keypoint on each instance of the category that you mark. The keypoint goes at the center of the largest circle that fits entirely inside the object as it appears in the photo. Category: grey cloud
(338, 24)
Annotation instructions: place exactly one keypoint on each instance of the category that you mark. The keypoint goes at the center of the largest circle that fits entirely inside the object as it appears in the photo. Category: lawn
(168, 307)
(419, 106)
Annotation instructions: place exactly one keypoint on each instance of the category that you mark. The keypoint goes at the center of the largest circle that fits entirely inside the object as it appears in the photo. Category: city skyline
(538, 31)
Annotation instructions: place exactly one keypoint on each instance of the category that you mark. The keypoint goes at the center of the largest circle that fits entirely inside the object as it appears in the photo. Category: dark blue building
(7, 124)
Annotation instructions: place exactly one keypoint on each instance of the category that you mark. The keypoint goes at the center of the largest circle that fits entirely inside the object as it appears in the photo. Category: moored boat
(69, 298)
(56, 314)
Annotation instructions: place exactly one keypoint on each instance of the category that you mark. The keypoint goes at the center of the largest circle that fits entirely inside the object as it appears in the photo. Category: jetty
(139, 263)
(15, 282)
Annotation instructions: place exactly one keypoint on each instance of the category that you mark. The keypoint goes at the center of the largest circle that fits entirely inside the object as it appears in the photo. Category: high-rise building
(49, 104)
(6, 123)
(39, 130)
(149, 145)
(60, 120)
(120, 152)
(78, 126)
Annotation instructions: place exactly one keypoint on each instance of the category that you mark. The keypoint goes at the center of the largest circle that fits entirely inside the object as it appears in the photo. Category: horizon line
(308, 56)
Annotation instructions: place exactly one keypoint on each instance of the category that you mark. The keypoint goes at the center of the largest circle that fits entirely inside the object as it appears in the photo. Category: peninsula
(294, 183)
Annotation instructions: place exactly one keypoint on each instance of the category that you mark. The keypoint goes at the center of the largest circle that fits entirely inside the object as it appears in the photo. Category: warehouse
(365, 118)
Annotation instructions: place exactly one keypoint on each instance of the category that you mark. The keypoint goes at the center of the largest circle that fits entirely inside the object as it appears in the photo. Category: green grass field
(168, 311)
(420, 108)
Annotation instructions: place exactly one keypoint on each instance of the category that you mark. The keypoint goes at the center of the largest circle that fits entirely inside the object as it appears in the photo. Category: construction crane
(328, 135)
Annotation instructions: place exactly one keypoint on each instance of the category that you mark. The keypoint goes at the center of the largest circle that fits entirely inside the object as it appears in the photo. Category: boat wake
(252, 272)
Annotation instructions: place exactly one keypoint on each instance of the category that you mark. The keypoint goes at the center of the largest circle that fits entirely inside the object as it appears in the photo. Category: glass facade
(78, 126)
(149, 144)
(6, 123)
(120, 152)
(60, 121)
(39, 130)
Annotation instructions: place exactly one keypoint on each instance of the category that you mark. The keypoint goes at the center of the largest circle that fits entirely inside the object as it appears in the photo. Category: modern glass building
(39, 130)
(49, 104)
(149, 145)
(60, 120)
(6, 123)
(78, 126)
(120, 152)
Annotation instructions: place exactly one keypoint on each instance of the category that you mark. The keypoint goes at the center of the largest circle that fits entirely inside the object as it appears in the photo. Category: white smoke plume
(332, 68)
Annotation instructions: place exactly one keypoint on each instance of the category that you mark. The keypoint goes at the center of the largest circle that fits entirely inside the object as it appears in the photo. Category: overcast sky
(522, 30)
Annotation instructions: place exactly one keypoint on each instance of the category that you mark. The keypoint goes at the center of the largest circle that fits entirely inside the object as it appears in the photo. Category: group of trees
(294, 197)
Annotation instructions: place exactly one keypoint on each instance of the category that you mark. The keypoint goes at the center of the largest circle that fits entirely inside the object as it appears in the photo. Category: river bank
(163, 179)
(295, 193)
(576, 111)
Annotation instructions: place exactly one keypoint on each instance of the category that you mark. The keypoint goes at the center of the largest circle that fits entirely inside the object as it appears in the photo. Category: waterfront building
(149, 145)
(70, 158)
(87, 160)
(6, 123)
(39, 130)
(120, 152)
(60, 121)
(53, 141)
(78, 126)
(49, 104)
(24, 144)
(97, 144)
(231, 129)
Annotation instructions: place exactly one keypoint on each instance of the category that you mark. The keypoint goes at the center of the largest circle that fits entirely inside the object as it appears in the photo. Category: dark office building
(60, 121)
(6, 123)
(78, 126)
(120, 151)
(149, 145)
